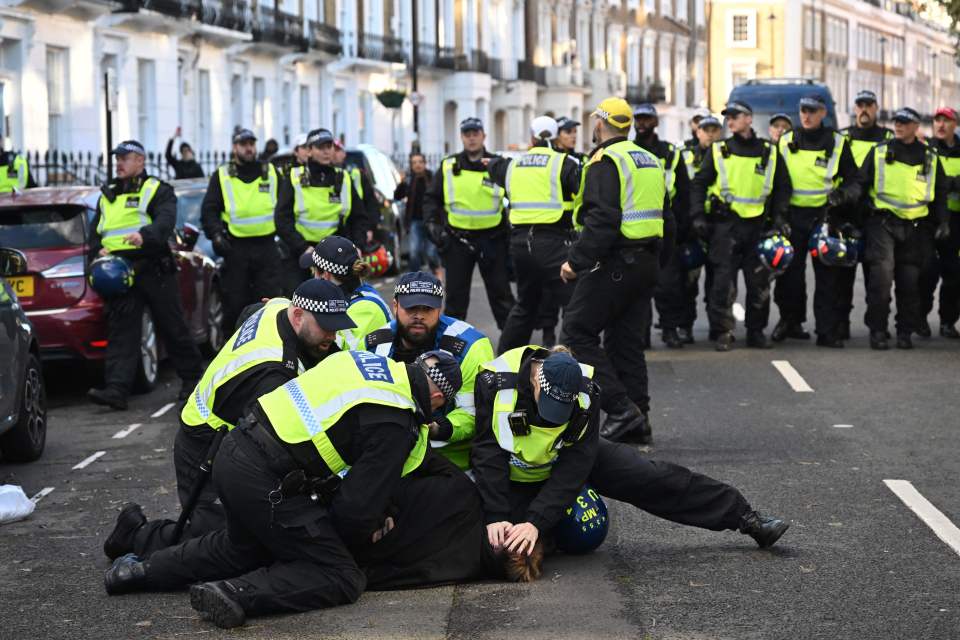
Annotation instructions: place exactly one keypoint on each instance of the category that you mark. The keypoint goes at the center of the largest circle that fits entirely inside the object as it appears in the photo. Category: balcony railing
(277, 27)
(378, 47)
(526, 70)
(176, 8)
(228, 14)
(326, 38)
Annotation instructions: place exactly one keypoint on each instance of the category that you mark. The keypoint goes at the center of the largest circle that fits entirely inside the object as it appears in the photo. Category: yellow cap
(615, 112)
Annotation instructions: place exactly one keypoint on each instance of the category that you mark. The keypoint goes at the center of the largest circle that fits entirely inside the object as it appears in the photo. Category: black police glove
(942, 232)
(221, 245)
(836, 198)
(700, 227)
(781, 226)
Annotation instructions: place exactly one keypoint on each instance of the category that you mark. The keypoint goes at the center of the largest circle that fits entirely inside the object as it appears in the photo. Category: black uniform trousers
(613, 300)
(671, 294)
(944, 266)
(691, 285)
(538, 252)
(279, 555)
(155, 287)
(896, 252)
(733, 247)
(189, 449)
(250, 271)
(491, 254)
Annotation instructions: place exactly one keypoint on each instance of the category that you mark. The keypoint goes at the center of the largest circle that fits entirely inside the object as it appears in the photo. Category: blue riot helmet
(584, 525)
(110, 276)
(832, 247)
(776, 253)
(693, 254)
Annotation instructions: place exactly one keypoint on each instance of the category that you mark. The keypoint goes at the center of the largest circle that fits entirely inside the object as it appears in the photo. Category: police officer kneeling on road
(908, 211)
(293, 511)
(273, 345)
(134, 221)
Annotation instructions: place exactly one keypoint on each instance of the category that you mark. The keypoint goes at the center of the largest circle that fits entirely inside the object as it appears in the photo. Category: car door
(13, 365)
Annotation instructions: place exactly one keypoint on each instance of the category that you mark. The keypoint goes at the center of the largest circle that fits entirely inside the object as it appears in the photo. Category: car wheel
(148, 364)
(215, 335)
(25, 442)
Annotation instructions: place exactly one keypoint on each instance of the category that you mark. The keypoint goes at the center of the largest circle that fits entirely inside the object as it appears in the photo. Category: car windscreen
(188, 208)
(46, 227)
(384, 174)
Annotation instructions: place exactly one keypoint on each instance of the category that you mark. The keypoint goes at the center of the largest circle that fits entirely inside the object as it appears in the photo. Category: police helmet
(834, 249)
(693, 254)
(776, 253)
(584, 525)
(110, 276)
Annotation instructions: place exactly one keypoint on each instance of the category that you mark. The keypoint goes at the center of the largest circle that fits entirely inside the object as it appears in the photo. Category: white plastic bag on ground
(14, 504)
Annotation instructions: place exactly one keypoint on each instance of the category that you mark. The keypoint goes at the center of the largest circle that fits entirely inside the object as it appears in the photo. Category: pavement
(857, 562)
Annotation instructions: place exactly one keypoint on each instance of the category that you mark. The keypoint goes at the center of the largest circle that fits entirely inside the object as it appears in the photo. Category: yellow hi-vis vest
(319, 211)
(534, 189)
(642, 190)
(904, 190)
(743, 182)
(248, 206)
(860, 148)
(812, 174)
(472, 201)
(13, 176)
(670, 165)
(951, 167)
(256, 342)
(533, 455)
(356, 176)
(126, 214)
(306, 407)
(689, 157)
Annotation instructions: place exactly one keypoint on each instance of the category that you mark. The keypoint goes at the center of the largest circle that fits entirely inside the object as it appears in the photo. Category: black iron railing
(278, 27)
(377, 47)
(326, 38)
(526, 70)
(69, 168)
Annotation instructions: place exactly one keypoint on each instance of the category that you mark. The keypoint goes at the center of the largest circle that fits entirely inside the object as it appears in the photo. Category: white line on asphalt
(162, 410)
(43, 493)
(123, 433)
(843, 426)
(794, 379)
(933, 517)
(88, 460)
(389, 280)
(739, 312)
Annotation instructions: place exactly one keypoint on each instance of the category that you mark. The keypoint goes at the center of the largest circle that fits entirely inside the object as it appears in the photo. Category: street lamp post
(414, 59)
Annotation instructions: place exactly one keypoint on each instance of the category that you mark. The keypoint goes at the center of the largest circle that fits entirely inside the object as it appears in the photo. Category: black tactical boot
(686, 335)
(724, 341)
(216, 602)
(829, 340)
(923, 329)
(904, 341)
(766, 530)
(672, 339)
(756, 339)
(878, 340)
(785, 329)
(120, 540)
(949, 331)
(108, 397)
(127, 574)
(627, 425)
(845, 330)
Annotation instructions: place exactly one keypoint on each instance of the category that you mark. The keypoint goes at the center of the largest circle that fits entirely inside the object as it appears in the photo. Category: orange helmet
(378, 259)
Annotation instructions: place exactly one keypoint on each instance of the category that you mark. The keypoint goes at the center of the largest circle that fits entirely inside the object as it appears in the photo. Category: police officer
(864, 134)
(275, 344)
(134, 220)
(420, 327)
(463, 211)
(628, 229)
(823, 179)
(363, 185)
(671, 283)
(291, 519)
(693, 141)
(237, 216)
(538, 444)
(908, 212)
(541, 185)
(945, 265)
(780, 123)
(566, 140)
(318, 200)
(14, 173)
(748, 190)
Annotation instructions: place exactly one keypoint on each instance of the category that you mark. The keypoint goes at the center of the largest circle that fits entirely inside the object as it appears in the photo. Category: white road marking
(794, 379)
(931, 516)
(43, 493)
(389, 280)
(123, 433)
(162, 410)
(843, 426)
(739, 312)
(88, 460)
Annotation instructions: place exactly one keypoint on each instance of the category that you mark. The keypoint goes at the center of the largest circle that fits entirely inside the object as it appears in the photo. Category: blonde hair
(560, 348)
(521, 567)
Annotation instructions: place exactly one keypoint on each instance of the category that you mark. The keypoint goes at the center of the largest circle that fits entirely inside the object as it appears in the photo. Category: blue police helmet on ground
(833, 249)
(693, 254)
(584, 525)
(776, 253)
(110, 276)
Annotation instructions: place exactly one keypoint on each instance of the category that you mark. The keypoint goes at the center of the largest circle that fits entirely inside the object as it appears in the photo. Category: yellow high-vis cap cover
(616, 112)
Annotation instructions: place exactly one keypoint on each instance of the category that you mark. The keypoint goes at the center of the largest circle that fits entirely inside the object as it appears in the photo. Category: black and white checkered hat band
(438, 378)
(554, 392)
(419, 287)
(320, 306)
(331, 267)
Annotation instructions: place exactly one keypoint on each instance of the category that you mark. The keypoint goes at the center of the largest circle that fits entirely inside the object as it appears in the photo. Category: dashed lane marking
(843, 426)
(931, 516)
(739, 312)
(88, 460)
(794, 379)
(43, 493)
(123, 433)
(162, 410)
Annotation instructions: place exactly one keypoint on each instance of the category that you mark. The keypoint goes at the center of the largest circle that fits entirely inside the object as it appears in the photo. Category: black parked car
(23, 400)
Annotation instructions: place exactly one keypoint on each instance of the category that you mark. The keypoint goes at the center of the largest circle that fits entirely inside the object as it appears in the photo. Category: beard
(421, 340)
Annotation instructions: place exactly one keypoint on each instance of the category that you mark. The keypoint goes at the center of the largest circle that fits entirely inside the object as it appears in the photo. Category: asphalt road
(856, 563)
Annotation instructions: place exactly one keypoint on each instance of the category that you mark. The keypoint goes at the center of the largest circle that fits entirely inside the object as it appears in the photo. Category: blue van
(767, 96)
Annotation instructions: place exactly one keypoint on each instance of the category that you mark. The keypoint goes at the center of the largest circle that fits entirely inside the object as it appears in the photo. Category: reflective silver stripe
(728, 195)
(346, 337)
(456, 328)
(383, 349)
(448, 180)
(882, 181)
(833, 163)
(504, 432)
(632, 215)
(585, 397)
(520, 464)
(642, 214)
(314, 417)
(318, 224)
(299, 204)
(346, 202)
(464, 401)
(203, 399)
(231, 202)
(148, 190)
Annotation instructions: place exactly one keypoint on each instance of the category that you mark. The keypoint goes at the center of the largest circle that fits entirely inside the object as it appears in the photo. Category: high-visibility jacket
(670, 165)
(743, 182)
(369, 312)
(248, 206)
(534, 188)
(532, 455)
(126, 214)
(14, 175)
(813, 174)
(689, 157)
(951, 167)
(305, 408)
(319, 211)
(357, 178)
(471, 199)
(860, 148)
(255, 343)
(903, 189)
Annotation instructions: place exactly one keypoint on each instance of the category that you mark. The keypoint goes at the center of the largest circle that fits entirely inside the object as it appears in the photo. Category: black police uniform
(733, 240)
(692, 285)
(944, 264)
(251, 265)
(155, 286)
(538, 250)
(460, 250)
(790, 291)
(616, 279)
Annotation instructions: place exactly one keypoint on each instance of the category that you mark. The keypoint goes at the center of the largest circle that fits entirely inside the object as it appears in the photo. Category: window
(682, 10)
(666, 72)
(742, 29)
(304, 108)
(56, 98)
(741, 71)
(236, 100)
(203, 108)
(146, 102)
(649, 56)
(650, 6)
(259, 107)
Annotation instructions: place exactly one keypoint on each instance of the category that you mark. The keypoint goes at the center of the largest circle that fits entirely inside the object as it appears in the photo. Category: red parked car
(50, 227)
